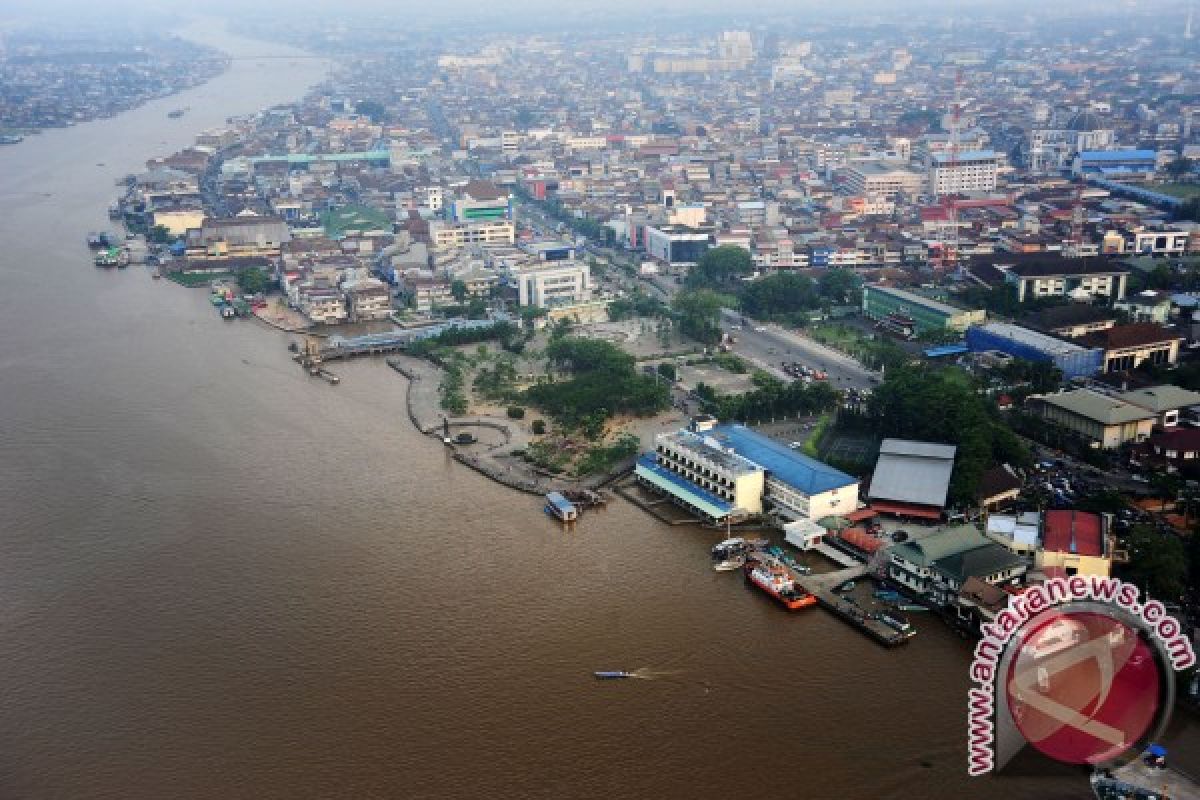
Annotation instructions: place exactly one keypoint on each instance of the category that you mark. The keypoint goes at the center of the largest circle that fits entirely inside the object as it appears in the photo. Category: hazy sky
(547, 11)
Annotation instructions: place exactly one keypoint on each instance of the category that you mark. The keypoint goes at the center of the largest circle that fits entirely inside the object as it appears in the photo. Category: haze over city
(622, 399)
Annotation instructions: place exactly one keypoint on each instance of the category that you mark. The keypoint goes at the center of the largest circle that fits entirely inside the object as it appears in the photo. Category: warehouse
(883, 302)
(1074, 360)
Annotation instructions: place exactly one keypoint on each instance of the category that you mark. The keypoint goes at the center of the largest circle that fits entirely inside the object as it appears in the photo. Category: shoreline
(425, 414)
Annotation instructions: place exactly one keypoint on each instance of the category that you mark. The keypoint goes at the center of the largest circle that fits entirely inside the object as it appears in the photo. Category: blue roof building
(730, 469)
(1116, 163)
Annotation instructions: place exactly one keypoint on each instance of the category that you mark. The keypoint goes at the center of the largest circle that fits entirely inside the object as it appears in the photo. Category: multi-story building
(677, 245)
(873, 179)
(367, 299)
(480, 201)
(449, 235)
(1160, 242)
(1065, 277)
(938, 565)
(553, 284)
(730, 470)
(972, 171)
(881, 302)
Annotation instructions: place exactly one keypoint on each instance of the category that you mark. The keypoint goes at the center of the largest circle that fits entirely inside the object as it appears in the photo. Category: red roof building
(1076, 542)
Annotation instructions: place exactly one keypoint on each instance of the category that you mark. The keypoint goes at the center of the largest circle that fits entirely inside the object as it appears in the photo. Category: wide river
(222, 579)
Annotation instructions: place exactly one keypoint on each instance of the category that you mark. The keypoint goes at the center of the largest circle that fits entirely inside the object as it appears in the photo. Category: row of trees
(770, 398)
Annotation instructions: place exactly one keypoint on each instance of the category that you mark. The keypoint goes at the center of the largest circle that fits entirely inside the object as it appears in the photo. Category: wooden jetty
(822, 587)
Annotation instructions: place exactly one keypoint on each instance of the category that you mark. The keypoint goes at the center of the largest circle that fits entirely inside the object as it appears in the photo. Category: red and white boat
(776, 580)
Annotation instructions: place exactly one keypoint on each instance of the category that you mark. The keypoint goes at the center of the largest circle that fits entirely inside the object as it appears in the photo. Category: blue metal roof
(945, 350)
(558, 501)
(677, 484)
(1118, 155)
(795, 469)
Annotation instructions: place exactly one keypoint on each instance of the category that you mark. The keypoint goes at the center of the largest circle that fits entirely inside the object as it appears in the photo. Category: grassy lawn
(354, 219)
(1184, 190)
(195, 279)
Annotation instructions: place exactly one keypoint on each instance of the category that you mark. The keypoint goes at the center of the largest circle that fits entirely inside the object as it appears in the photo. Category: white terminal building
(731, 471)
(972, 171)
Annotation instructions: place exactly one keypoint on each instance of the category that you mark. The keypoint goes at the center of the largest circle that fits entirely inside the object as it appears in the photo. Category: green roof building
(927, 314)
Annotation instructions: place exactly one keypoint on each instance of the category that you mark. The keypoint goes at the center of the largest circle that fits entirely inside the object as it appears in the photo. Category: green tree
(839, 286)
(1157, 563)
(721, 267)
(159, 234)
(458, 290)
(699, 313)
(781, 293)
(477, 308)
(252, 280)
(667, 370)
(538, 426)
(371, 109)
(1180, 167)
(944, 406)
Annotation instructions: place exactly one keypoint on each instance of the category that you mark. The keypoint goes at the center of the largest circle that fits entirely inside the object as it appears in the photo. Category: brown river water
(222, 579)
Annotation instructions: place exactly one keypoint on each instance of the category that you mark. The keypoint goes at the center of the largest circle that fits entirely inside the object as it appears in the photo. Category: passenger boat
(612, 675)
(774, 579)
(560, 507)
(729, 554)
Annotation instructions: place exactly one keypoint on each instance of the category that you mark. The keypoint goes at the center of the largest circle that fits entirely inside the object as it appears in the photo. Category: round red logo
(1084, 687)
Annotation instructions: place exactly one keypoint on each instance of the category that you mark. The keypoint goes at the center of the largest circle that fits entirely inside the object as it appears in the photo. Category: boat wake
(651, 674)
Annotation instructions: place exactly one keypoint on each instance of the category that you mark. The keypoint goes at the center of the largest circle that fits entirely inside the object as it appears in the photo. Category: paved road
(772, 345)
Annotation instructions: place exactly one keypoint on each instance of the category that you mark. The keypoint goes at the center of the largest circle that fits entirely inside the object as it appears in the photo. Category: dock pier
(822, 587)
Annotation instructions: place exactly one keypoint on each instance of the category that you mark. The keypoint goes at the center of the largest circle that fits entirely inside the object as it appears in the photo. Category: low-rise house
(1018, 533)
(979, 602)
(1175, 450)
(998, 487)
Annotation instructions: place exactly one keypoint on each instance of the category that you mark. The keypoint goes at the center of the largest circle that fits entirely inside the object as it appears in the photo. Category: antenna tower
(951, 257)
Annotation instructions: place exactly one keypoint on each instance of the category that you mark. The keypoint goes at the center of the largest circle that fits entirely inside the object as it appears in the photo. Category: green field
(1184, 190)
(354, 219)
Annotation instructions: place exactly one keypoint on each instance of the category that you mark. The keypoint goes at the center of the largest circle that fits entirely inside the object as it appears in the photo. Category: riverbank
(499, 461)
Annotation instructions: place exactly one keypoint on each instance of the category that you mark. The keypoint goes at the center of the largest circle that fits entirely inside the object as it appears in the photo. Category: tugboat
(774, 579)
